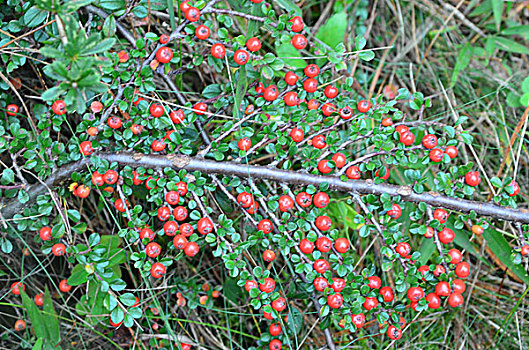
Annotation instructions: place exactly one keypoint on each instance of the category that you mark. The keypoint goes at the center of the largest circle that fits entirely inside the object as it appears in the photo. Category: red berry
(455, 300)
(313, 104)
(330, 91)
(338, 284)
(387, 294)
(297, 134)
(455, 255)
(323, 166)
(58, 107)
(285, 203)
(321, 265)
(245, 199)
(472, 178)
(269, 255)
(15, 287)
(415, 294)
(394, 333)
(407, 138)
(335, 301)
(297, 24)
(446, 235)
(192, 14)
(312, 70)
(265, 225)
(442, 289)
(249, 285)
(306, 246)
(244, 144)
(430, 232)
(291, 99)
(304, 199)
(451, 151)
(383, 173)
(370, 303)
(202, 32)
(310, 85)
(147, 232)
(181, 188)
(12, 109)
(374, 282)
(434, 302)
(323, 244)
(163, 213)
(64, 286)
(459, 286)
(158, 270)
(156, 110)
(342, 245)
(429, 141)
(323, 223)
(191, 249)
(363, 106)
(200, 108)
(395, 211)
(319, 142)
(353, 172)
(515, 188)
(403, 249)
(440, 215)
(271, 93)
(268, 285)
(45, 233)
(241, 57)
(320, 283)
(346, 113)
(462, 270)
(387, 122)
(253, 44)
(180, 242)
(205, 226)
(58, 249)
(436, 155)
(170, 228)
(299, 41)
(321, 200)
(358, 320)
(153, 249)
(274, 329)
(158, 145)
(339, 159)
(86, 148)
(172, 197)
(164, 39)
(328, 109)
(180, 213)
(291, 78)
(164, 55)
(218, 51)
(275, 344)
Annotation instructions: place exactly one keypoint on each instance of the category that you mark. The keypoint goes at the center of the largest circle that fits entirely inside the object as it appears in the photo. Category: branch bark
(63, 174)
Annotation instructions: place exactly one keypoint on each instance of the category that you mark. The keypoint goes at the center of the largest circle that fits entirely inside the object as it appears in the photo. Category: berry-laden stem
(406, 193)
(436, 239)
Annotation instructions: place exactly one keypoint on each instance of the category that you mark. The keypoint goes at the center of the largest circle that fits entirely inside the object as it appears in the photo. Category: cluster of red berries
(57, 249)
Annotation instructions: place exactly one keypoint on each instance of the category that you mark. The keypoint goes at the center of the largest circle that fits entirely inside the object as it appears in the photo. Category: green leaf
(128, 299)
(38, 344)
(427, 248)
(8, 176)
(112, 4)
(289, 6)
(333, 31)
(287, 50)
(501, 248)
(497, 11)
(510, 45)
(102, 46)
(50, 319)
(34, 16)
(109, 26)
(79, 276)
(52, 94)
(516, 30)
(242, 86)
(74, 5)
(463, 60)
(34, 316)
